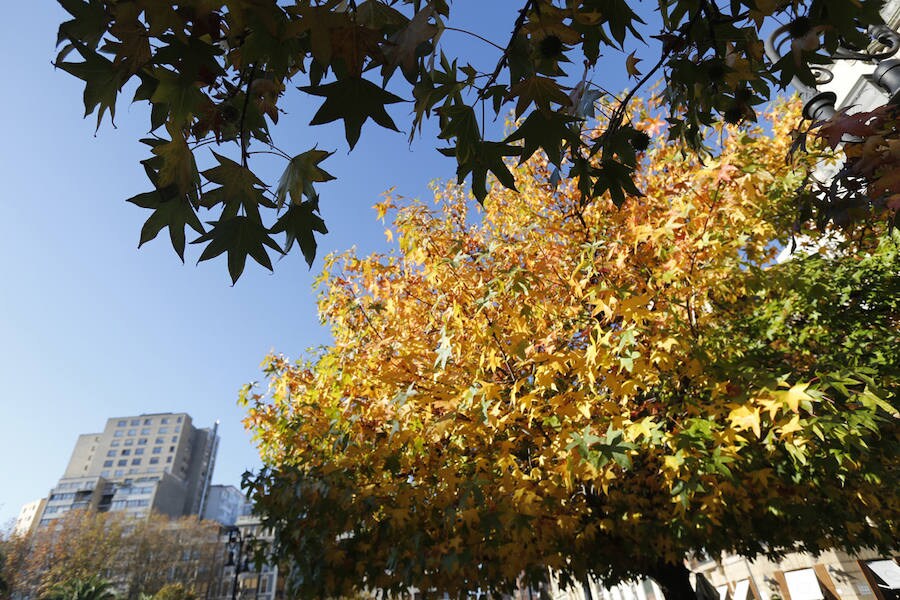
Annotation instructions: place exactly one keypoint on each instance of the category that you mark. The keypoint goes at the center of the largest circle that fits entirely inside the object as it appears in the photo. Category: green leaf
(545, 130)
(102, 81)
(240, 237)
(180, 96)
(487, 157)
(298, 178)
(300, 223)
(354, 100)
(171, 210)
(178, 166)
(239, 187)
(406, 46)
(89, 23)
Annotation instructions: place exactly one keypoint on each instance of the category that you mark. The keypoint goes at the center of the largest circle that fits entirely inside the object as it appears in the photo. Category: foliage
(138, 556)
(175, 591)
(91, 588)
(593, 390)
(217, 73)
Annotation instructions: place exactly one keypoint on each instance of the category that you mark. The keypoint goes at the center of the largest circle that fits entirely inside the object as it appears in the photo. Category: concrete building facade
(151, 462)
(28, 517)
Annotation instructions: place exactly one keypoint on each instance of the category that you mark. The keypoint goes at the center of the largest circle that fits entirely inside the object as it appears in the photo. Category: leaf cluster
(217, 73)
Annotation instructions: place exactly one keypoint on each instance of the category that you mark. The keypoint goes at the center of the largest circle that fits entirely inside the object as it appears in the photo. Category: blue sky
(90, 326)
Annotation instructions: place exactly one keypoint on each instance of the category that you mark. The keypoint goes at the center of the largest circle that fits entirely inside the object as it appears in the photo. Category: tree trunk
(674, 581)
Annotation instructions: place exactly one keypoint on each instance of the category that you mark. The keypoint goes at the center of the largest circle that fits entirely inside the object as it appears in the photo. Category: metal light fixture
(821, 105)
(236, 559)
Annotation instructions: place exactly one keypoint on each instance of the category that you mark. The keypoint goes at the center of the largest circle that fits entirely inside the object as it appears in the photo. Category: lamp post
(236, 559)
(820, 105)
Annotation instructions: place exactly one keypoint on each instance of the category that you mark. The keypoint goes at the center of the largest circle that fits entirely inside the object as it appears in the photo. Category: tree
(174, 591)
(215, 73)
(92, 588)
(138, 556)
(596, 391)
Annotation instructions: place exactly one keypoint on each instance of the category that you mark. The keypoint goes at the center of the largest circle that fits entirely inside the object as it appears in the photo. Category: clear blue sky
(90, 326)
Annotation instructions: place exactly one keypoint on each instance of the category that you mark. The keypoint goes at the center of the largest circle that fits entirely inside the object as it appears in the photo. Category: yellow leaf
(631, 65)
(745, 418)
(792, 426)
(795, 395)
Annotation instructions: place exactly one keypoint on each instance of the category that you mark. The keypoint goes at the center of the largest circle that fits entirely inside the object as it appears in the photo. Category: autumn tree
(138, 556)
(599, 392)
(217, 75)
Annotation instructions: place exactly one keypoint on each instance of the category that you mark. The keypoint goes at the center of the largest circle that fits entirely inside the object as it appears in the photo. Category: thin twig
(244, 114)
(475, 35)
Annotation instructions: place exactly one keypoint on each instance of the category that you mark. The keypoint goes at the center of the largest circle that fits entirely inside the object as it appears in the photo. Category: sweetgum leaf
(355, 100)
(240, 237)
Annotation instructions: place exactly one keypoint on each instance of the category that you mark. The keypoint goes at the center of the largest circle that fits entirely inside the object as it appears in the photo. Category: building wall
(158, 462)
(224, 504)
(28, 518)
(82, 456)
(838, 573)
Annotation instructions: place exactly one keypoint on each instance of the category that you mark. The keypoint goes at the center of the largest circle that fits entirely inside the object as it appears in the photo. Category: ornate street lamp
(235, 547)
(820, 105)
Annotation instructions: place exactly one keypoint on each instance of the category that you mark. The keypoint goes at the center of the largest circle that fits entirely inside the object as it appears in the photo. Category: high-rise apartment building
(152, 462)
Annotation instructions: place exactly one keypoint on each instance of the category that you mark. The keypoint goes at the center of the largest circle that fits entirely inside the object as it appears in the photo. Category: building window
(164, 420)
(123, 462)
(135, 461)
(118, 433)
(111, 453)
(179, 419)
(157, 450)
(177, 428)
(160, 441)
(145, 431)
(107, 463)
(132, 432)
(135, 422)
(114, 443)
(174, 439)
(142, 442)
(164, 430)
(121, 424)
(105, 473)
(154, 460)
(129, 442)
(148, 421)
(138, 451)
(119, 473)
(168, 459)
(126, 452)
(171, 448)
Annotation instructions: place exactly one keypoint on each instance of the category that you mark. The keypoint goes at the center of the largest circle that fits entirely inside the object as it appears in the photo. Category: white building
(28, 517)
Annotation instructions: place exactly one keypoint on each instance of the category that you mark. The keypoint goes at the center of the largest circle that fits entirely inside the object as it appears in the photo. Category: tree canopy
(216, 73)
(599, 395)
